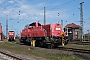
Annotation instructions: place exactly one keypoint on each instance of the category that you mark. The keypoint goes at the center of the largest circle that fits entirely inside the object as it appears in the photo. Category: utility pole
(81, 20)
(44, 16)
(62, 24)
(7, 27)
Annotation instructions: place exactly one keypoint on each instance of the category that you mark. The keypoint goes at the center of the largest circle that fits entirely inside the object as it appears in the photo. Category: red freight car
(11, 36)
(49, 35)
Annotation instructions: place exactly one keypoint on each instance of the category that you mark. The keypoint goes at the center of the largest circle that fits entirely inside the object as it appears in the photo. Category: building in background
(0, 32)
(73, 31)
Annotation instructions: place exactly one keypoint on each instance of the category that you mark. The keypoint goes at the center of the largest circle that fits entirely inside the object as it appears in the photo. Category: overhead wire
(57, 6)
(87, 8)
(87, 13)
(62, 4)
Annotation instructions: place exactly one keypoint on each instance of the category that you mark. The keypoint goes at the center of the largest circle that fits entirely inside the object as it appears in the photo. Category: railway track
(79, 43)
(74, 50)
(14, 58)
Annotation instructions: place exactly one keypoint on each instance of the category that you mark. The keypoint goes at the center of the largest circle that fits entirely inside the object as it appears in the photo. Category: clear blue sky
(32, 10)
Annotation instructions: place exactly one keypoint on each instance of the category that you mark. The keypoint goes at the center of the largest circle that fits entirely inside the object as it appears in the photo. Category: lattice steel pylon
(44, 15)
(81, 20)
(7, 27)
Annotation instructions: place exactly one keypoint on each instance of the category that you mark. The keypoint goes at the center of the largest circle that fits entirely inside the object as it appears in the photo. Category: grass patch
(10, 46)
(53, 56)
(78, 46)
(47, 55)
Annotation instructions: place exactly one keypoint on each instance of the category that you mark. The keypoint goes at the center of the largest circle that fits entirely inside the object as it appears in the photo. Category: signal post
(63, 42)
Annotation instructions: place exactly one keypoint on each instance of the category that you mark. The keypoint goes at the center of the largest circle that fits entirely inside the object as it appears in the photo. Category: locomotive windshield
(11, 31)
(32, 25)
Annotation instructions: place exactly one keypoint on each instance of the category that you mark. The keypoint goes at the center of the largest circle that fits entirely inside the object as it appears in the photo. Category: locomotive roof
(33, 24)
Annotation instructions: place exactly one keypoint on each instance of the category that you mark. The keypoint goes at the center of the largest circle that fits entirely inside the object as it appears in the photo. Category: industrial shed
(73, 31)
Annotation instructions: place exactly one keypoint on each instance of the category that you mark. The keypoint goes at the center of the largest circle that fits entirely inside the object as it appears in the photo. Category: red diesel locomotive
(11, 36)
(49, 35)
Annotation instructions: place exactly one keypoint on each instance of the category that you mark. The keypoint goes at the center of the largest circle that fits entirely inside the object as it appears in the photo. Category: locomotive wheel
(50, 46)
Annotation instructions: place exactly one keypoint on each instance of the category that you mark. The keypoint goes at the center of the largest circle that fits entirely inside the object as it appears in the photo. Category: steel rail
(10, 55)
(75, 50)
